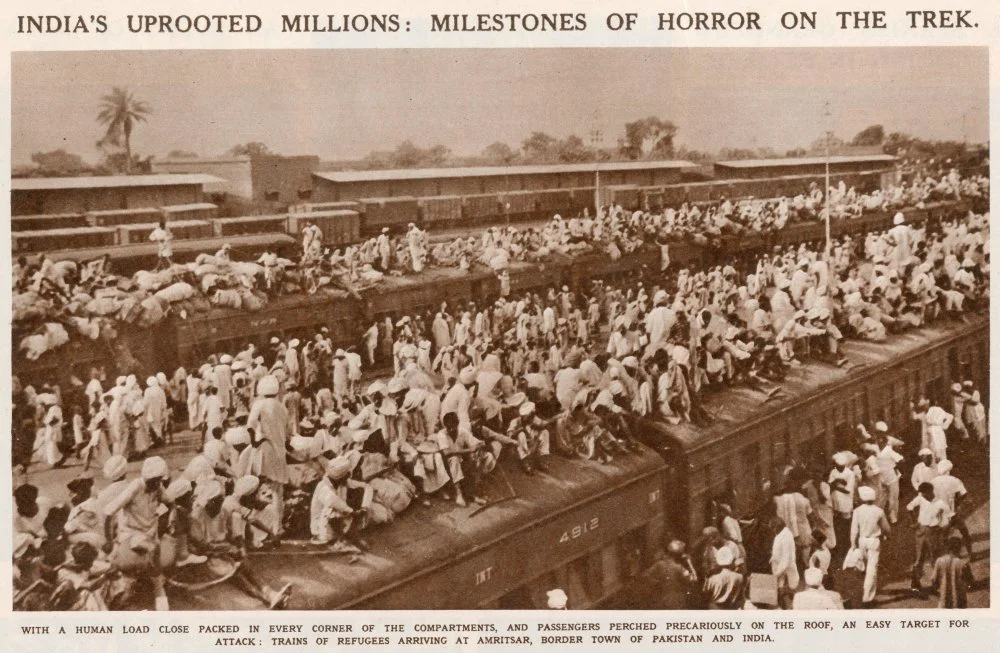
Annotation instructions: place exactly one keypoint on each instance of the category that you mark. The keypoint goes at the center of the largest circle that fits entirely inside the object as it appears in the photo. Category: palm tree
(120, 111)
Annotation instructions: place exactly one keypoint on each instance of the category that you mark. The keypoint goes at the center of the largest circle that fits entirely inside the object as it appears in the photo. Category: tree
(408, 155)
(182, 154)
(820, 144)
(499, 154)
(736, 154)
(436, 156)
(59, 163)
(119, 114)
(251, 149)
(538, 148)
(115, 163)
(573, 150)
(649, 137)
(871, 135)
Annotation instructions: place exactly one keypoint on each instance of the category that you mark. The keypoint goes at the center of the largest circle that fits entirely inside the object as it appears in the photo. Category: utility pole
(826, 192)
(596, 141)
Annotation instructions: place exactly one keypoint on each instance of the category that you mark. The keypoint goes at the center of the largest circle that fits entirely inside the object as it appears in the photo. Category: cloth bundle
(35, 345)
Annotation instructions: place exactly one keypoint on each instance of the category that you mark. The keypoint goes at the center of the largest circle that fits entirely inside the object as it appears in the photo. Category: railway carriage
(591, 528)
(743, 452)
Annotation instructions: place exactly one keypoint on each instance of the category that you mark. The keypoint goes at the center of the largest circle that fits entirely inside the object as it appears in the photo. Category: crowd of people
(827, 526)
(294, 445)
(57, 301)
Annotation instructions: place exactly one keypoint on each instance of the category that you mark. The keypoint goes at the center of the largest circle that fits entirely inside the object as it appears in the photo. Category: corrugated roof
(118, 181)
(495, 171)
(805, 161)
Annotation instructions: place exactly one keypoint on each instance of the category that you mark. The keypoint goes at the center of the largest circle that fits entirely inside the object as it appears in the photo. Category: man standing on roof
(384, 247)
(312, 242)
(901, 235)
(164, 245)
(269, 421)
(418, 251)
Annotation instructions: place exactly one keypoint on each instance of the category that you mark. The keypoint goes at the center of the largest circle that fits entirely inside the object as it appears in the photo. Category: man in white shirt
(783, 559)
(951, 491)
(164, 245)
(868, 527)
(843, 481)
(925, 470)
(888, 459)
(931, 516)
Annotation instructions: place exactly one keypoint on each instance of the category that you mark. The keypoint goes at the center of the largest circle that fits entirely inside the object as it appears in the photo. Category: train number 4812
(580, 530)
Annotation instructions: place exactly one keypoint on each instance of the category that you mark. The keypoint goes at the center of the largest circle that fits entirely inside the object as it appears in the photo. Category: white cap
(154, 467)
(881, 427)
(467, 376)
(267, 386)
(177, 488)
(925, 452)
(115, 467)
(557, 599)
(866, 493)
(245, 485)
(724, 557)
(813, 576)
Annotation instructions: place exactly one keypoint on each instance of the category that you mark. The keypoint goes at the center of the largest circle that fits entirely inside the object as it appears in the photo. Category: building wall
(283, 179)
(81, 200)
(328, 191)
(235, 172)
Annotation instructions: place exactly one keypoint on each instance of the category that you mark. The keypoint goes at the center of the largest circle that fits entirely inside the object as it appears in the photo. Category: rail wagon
(585, 527)
(217, 330)
(115, 217)
(180, 229)
(44, 222)
(391, 212)
(31, 242)
(442, 211)
(339, 226)
(743, 452)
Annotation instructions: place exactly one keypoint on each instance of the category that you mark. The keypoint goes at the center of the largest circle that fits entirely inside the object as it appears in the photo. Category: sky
(342, 104)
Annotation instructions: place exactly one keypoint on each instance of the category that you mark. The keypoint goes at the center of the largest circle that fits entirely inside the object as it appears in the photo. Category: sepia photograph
(501, 329)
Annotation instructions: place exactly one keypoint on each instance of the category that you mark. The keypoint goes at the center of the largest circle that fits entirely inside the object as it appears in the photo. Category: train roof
(344, 176)
(186, 246)
(740, 407)
(806, 161)
(111, 181)
(423, 539)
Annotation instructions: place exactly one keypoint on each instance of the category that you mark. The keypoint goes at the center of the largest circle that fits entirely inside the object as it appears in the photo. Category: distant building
(770, 168)
(234, 173)
(60, 195)
(335, 186)
(283, 179)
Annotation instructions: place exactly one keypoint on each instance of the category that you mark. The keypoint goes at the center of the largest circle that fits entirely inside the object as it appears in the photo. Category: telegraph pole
(596, 140)
(826, 193)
